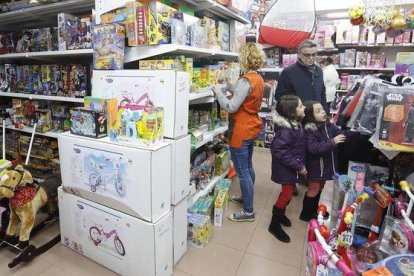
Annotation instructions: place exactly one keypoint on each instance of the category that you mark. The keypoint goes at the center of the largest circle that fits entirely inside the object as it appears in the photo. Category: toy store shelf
(41, 97)
(216, 9)
(366, 69)
(200, 95)
(209, 136)
(137, 53)
(275, 69)
(36, 15)
(375, 46)
(30, 130)
(67, 53)
(203, 192)
(328, 50)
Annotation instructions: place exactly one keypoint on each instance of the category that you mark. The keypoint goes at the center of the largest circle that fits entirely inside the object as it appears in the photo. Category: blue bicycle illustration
(101, 176)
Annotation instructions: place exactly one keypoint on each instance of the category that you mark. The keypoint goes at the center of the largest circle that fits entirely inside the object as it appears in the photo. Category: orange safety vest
(245, 123)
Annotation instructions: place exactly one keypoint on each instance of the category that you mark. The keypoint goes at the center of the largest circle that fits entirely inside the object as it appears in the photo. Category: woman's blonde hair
(251, 57)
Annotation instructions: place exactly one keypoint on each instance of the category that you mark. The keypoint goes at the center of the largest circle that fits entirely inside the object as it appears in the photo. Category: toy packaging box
(41, 40)
(87, 122)
(397, 122)
(223, 35)
(125, 178)
(65, 29)
(44, 120)
(180, 160)
(199, 230)
(143, 23)
(178, 32)
(167, 89)
(122, 243)
(160, 16)
(109, 46)
(403, 63)
(131, 23)
(179, 229)
(95, 103)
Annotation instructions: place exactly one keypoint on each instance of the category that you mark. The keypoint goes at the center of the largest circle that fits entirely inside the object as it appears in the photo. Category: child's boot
(285, 221)
(275, 226)
(309, 208)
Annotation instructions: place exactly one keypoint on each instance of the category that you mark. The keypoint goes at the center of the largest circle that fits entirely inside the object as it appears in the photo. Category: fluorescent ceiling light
(334, 15)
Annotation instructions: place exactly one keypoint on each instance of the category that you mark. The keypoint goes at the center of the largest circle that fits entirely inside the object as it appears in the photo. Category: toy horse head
(13, 180)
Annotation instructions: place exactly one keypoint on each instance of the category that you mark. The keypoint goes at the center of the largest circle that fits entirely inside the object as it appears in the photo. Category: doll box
(87, 122)
(180, 160)
(168, 89)
(133, 180)
(179, 230)
(123, 244)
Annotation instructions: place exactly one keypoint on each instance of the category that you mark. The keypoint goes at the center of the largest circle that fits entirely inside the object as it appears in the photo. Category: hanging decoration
(382, 16)
(288, 23)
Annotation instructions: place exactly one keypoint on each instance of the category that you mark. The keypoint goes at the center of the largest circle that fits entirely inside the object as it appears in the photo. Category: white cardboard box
(180, 230)
(165, 88)
(124, 244)
(180, 160)
(133, 180)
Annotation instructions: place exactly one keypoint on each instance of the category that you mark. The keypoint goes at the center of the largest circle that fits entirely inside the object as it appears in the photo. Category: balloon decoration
(284, 28)
(393, 21)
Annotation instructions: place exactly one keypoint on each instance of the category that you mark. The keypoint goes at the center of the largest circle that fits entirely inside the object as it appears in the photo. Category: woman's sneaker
(241, 216)
(237, 199)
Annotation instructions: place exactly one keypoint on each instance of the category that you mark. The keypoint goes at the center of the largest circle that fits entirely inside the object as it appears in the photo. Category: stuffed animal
(25, 198)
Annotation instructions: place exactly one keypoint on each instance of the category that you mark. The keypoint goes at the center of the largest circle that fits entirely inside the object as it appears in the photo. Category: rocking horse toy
(25, 199)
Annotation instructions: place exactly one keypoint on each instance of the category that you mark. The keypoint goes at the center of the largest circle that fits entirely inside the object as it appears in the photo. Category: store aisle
(242, 249)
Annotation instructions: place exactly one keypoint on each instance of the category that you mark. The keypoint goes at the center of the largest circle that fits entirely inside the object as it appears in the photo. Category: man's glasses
(309, 55)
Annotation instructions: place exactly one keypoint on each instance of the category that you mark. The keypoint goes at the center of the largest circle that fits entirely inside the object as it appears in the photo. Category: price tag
(322, 270)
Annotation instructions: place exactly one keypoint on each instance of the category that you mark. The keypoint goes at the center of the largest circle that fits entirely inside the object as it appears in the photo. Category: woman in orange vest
(244, 123)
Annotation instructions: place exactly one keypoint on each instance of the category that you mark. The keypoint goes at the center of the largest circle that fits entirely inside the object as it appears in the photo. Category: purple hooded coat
(288, 151)
(321, 156)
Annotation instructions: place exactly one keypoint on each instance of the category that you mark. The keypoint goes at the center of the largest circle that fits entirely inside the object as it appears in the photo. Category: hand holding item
(339, 139)
(303, 171)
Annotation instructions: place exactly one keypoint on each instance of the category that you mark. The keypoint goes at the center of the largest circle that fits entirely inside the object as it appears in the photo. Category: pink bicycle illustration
(97, 235)
(142, 103)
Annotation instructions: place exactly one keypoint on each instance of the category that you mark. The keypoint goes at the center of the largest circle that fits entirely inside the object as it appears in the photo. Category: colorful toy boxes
(89, 123)
(109, 46)
(160, 16)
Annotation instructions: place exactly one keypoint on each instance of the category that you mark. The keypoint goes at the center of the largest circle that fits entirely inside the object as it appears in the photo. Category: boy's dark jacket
(321, 156)
(288, 151)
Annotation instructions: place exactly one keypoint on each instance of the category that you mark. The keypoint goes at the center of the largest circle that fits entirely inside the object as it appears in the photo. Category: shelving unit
(200, 95)
(208, 137)
(364, 69)
(41, 97)
(203, 192)
(30, 130)
(43, 14)
(48, 54)
(137, 53)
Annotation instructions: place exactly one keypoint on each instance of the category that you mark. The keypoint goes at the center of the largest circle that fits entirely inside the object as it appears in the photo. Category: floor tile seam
(269, 259)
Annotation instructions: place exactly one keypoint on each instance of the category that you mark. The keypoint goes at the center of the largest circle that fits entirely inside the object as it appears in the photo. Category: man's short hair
(306, 44)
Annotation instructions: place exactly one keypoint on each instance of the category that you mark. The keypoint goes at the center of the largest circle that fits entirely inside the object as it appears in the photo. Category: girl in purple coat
(288, 158)
(322, 138)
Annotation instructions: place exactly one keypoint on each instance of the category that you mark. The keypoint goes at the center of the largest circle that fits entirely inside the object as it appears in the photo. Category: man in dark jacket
(304, 78)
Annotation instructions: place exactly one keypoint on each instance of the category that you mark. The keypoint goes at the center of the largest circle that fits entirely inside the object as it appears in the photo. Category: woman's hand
(303, 171)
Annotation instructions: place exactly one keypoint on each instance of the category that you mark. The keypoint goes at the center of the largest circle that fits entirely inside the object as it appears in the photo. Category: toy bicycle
(100, 177)
(98, 235)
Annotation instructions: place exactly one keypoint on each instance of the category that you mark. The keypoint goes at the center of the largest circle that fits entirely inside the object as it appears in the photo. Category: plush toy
(25, 199)
(130, 118)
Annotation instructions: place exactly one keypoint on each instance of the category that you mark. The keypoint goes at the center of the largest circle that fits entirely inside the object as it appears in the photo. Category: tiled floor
(242, 249)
